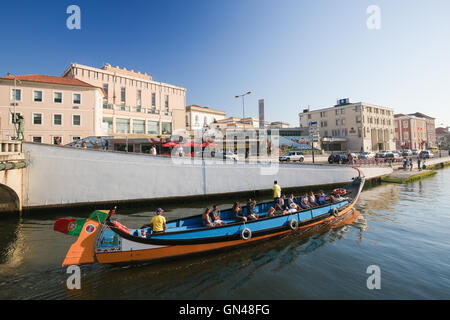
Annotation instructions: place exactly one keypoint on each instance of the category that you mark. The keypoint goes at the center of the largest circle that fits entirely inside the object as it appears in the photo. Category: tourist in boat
(271, 212)
(237, 212)
(251, 213)
(276, 192)
(291, 199)
(285, 210)
(206, 219)
(158, 223)
(281, 202)
(312, 199)
(322, 199)
(216, 216)
(304, 203)
(293, 207)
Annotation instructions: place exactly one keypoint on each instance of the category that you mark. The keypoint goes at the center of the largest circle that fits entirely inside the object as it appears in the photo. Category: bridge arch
(9, 200)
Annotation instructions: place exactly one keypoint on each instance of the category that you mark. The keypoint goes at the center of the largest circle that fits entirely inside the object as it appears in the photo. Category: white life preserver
(335, 212)
(248, 236)
(293, 224)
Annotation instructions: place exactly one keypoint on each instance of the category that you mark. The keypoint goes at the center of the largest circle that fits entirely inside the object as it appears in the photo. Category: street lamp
(15, 102)
(243, 108)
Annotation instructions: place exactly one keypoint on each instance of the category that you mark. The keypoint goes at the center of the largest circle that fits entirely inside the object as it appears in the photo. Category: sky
(294, 54)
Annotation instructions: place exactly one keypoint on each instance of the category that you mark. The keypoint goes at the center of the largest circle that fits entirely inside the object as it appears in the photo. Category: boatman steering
(158, 223)
(276, 192)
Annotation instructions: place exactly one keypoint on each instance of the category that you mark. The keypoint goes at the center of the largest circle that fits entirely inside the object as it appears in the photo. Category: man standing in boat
(276, 192)
(158, 223)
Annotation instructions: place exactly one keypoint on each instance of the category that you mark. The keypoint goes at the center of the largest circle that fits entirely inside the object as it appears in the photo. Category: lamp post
(243, 107)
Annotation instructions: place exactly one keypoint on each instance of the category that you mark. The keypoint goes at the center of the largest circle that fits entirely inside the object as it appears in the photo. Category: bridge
(12, 164)
(37, 176)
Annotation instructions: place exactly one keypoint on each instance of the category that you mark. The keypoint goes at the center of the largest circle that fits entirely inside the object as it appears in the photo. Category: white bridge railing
(10, 147)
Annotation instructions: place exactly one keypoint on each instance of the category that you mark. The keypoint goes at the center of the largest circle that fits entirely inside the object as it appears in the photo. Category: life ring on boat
(121, 227)
(335, 212)
(244, 232)
(340, 191)
(293, 224)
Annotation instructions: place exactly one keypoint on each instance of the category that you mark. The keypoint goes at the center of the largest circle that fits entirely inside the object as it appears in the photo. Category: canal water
(402, 229)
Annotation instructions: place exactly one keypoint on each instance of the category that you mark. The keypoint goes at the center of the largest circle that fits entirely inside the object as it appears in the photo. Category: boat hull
(148, 252)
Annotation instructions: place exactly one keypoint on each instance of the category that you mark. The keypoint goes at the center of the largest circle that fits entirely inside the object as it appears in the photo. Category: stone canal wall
(59, 176)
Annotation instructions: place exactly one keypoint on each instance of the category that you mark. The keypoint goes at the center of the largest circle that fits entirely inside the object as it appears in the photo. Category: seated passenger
(312, 199)
(284, 210)
(293, 207)
(216, 216)
(206, 218)
(271, 212)
(251, 214)
(280, 204)
(305, 203)
(322, 200)
(237, 212)
(291, 199)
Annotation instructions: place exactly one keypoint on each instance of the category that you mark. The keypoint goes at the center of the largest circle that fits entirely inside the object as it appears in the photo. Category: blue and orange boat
(102, 240)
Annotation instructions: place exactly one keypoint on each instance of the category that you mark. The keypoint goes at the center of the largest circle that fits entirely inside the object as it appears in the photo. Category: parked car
(366, 155)
(381, 154)
(338, 158)
(406, 153)
(426, 154)
(415, 152)
(392, 156)
(292, 156)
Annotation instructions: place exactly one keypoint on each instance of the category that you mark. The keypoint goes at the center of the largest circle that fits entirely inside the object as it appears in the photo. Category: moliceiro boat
(102, 240)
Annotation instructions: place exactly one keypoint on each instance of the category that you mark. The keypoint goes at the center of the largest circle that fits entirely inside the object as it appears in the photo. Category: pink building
(54, 108)
(410, 132)
(135, 104)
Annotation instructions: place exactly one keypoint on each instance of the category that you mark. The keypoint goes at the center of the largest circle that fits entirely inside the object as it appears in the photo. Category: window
(405, 124)
(337, 122)
(357, 108)
(343, 122)
(152, 127)
(323, 114)
(57, 140)
(122, 95)
(105, 88)
(37, 139)
(76, 120)
(406, 135)
(37, 118)
(358, 119)
(16, 94)
(139, 126)
(74, 139)
(11, 116)
(122, 125)
(57, 97)
(37, 96)
(107, 125)
(57, 119)
(323, 123)
(166, 102)
(153, 100)
(166, 128)
(138, 98)
(77, 98)
(325, 133)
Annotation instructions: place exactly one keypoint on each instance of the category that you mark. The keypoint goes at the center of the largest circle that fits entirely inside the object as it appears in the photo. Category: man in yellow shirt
(276, 192)
(158, 223)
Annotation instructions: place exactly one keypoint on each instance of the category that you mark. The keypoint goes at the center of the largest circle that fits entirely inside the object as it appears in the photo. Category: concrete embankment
(62, 176)
(405, 176)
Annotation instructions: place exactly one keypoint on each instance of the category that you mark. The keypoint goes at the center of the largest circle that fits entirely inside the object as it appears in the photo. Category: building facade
(431, 129)
(410, 132)
(55, 110)
(198, 117)
(350, 126)
(135, 104)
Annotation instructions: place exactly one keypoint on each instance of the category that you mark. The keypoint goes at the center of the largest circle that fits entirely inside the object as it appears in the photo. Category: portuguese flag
(73, 227)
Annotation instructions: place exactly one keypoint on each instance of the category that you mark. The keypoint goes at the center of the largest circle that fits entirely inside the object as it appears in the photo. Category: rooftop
(50, 79)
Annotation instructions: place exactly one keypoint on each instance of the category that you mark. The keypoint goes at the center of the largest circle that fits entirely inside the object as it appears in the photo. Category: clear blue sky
(291, 53)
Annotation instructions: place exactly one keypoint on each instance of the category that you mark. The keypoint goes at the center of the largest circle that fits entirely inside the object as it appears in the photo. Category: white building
(198, 117)
(353, 126)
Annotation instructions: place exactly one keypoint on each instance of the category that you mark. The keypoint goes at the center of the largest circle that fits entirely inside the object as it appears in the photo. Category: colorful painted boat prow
(108, 241)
